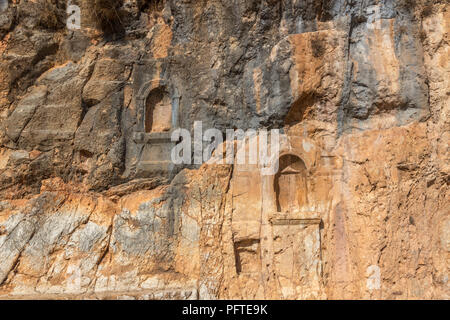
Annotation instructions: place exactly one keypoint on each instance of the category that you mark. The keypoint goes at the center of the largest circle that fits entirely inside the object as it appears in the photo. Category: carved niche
(276, 220)
(295, 231)
(157, 118)
(158, 112)
(290, 184)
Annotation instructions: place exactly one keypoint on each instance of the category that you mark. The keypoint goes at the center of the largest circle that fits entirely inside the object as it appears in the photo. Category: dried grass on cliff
(109, 15)
(106, 14)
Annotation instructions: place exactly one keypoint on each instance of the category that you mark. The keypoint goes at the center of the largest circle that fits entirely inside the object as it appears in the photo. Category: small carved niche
(290, 184)
(247, 255)
(158, 111)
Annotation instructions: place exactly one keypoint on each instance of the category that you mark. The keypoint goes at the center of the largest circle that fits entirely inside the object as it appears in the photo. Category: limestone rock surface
(91, 206)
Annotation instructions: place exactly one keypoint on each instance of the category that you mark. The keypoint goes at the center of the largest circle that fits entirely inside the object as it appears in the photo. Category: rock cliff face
(91, 205)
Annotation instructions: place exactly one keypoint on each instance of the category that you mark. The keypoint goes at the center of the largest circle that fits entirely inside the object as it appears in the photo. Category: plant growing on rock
(51, 14)
(152, 5)
(106, 14)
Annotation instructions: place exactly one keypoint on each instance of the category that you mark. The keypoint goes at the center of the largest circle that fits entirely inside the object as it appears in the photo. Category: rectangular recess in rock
(297, 256)
(248, 256)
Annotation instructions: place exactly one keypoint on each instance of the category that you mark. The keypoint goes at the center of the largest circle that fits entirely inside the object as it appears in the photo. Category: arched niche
(290, 185)
(158, 111)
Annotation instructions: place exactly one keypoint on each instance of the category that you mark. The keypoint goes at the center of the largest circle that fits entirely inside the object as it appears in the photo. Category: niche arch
(150, 93)
(289, 183)
(158, 111)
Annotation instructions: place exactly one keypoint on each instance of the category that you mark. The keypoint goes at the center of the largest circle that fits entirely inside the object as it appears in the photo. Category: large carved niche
(290, 184)
(296, 232)
(158, 111)
(158, 117)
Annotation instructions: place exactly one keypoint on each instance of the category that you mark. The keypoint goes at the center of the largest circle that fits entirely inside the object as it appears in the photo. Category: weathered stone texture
(92, 207)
